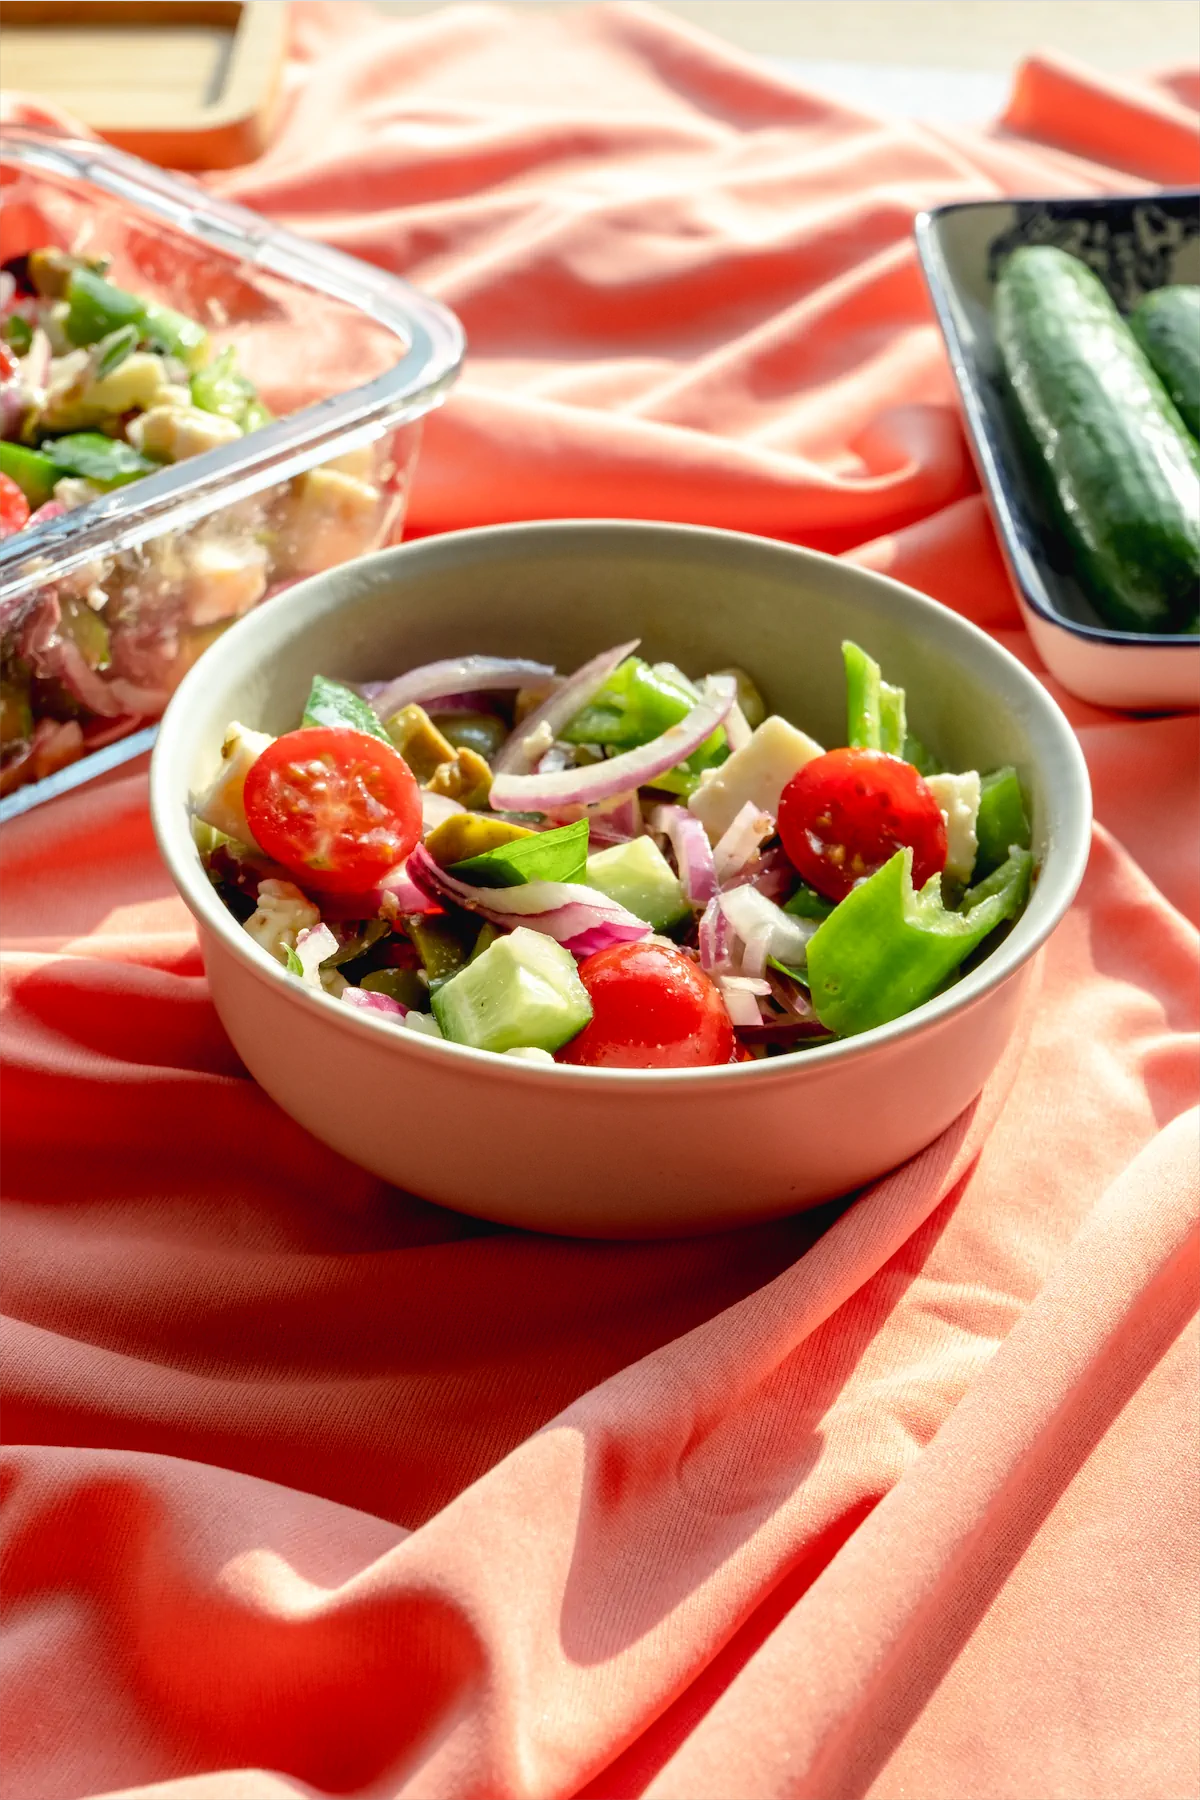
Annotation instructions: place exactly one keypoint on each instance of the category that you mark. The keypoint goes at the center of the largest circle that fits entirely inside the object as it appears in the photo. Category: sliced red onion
(396, 895)
(793, 998)
(733, 851)
(618, 774)
(580, 918)
(741, 999)
(479, 701)
(771, 873)
(765, 930)
(529, 741)
(8, 289)
(615, 822)
(49, 509)
(312, 947)
(366, 1001)
(458, 675)
(692, 850)
(737, 728)
(713, 937)
(436, 809)
(13, 407)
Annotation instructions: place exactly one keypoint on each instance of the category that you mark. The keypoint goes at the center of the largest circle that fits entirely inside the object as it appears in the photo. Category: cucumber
(639, 877)
(1167, 326)
(524, 992)
(1121, 469)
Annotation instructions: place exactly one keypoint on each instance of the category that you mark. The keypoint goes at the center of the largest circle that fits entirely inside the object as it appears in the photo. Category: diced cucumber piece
(524, 991)
(640, 878)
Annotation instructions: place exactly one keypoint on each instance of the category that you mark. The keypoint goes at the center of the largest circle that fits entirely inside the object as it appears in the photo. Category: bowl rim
(1067, 860)
(993, 471)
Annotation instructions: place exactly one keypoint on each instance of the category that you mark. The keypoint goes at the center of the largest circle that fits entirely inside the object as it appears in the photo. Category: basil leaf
(106, 461)
(558, 855)
(340, 708)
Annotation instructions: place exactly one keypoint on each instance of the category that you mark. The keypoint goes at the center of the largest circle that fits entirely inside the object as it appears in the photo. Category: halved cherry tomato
(338, 808)
(14, 507)
(8, 362)
(652, 1008)
(848, 812)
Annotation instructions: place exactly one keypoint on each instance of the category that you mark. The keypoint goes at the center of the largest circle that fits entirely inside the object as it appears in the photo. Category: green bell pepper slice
(222, 388)
(33, 472)
(887, 948)
(874, 708)
(638, 703)
(1002, 820)
(175, 334)
(635, 704)
(806, 903)
(95, 307)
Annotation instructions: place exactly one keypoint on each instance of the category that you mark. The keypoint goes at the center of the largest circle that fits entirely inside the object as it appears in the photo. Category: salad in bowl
(624, 867)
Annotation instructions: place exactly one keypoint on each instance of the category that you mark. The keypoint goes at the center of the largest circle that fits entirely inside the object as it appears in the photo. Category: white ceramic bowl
(624, 1153)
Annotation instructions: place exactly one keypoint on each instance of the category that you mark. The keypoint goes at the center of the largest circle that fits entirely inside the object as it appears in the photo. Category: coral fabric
(315, 1489)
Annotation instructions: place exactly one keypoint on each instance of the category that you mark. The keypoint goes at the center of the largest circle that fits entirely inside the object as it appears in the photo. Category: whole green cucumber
(1167, 326)
(1120, 466)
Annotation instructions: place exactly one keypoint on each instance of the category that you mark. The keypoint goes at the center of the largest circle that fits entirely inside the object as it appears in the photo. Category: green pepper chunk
(887, 948)
(331, 704)
(922, 760)
(637, 703)
(175, 334)
(1002, 820)
(95, 307)
(806, 903)
(558, 855)
(33, 472)
(222, 388)
(863, 729)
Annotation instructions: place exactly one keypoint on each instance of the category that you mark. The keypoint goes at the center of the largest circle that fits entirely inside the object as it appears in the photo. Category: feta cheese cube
(223, 804)
(281, 915)
(958, 797)
(756, 774)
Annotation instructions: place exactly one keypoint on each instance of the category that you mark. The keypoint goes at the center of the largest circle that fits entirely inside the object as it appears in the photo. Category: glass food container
(104, 607)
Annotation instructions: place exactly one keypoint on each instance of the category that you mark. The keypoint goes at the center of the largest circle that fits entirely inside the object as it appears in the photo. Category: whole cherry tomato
(848, 812)
(652, 1008)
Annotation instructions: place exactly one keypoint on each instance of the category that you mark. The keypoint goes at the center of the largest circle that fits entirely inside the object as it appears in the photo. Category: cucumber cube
(523, 992)
(638, 876)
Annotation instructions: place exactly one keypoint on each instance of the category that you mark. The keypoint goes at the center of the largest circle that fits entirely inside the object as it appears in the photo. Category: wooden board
(189, 84)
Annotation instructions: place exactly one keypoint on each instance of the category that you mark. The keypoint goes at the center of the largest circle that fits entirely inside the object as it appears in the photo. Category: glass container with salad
(195, 411)
(624, 867)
